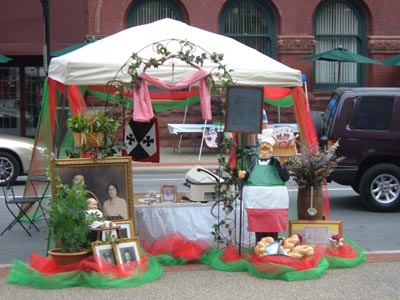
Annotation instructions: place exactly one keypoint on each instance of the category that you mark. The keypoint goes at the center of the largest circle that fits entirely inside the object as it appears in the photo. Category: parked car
(15, 157)
(366, 123)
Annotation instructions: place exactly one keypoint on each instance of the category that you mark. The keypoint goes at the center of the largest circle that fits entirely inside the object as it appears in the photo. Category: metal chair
(23, 204)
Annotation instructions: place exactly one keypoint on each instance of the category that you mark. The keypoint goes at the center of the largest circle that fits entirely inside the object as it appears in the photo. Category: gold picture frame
(316, 232)
(168, 193)
(127, 250)
(103, 253)
(127, 229)
(104, 178)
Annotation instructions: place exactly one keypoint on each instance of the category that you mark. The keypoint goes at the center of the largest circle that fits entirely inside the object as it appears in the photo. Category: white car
(15, 157)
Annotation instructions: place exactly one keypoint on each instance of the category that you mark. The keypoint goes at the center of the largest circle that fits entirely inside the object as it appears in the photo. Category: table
(179, 129)
(192, 219)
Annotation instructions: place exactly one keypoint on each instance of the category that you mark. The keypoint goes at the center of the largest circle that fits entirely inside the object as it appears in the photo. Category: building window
(20, 105)
(148, 11)
(251, 23)
(338, 24)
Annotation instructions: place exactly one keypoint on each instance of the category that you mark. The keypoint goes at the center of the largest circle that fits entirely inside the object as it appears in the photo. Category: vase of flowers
(309, 169)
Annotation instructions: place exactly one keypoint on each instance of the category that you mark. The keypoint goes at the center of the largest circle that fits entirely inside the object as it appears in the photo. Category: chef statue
(265, 195)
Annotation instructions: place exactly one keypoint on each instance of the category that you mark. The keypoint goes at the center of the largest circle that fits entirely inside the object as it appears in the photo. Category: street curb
(372, 257)
(164, 168)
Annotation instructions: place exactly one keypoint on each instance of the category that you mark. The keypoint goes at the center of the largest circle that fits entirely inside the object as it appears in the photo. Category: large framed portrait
(108, 180)
(127, 250)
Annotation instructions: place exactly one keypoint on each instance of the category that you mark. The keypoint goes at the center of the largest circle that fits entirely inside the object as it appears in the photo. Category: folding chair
(23, 204)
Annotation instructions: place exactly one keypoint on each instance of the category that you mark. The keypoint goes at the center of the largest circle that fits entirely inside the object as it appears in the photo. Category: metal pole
(46, 46)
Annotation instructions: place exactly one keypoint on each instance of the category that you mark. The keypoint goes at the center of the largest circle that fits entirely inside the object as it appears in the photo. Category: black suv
(366, 121)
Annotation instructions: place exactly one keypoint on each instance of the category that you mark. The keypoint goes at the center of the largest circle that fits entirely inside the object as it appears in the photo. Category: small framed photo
(126, 228)
(127, 250)
(103, 253)
(168, 193)
(109, 235)
(316, 232)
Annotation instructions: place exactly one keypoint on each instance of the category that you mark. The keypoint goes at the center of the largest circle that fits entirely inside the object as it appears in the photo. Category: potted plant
(68, 225)
(309, 169)
(91, 128)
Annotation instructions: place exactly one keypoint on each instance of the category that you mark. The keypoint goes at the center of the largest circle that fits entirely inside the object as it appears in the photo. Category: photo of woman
(108, 180)
(115, 207)
(128, 254)
(168, 193)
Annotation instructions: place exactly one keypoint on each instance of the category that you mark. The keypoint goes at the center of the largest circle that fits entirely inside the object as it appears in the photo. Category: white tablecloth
(193, 220)
(192, 128)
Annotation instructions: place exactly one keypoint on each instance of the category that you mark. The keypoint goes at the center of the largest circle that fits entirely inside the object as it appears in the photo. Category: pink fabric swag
(143, 111)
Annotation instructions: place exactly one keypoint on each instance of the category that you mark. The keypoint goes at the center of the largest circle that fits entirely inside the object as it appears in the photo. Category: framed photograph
(103, 252)
(168, 193)
(315, 232)
(126, 228)
(108, 235)
(127, 250)
(108, 180)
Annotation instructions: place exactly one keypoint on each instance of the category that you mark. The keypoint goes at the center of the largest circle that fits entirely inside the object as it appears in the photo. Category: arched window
(251, 23)
(338, 23)
(148, 11)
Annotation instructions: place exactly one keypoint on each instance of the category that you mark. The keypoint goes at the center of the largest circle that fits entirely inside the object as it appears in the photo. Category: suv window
(330, 111)
(372, 113)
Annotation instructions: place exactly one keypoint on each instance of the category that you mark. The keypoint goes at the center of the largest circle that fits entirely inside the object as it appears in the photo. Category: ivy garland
(222, 231)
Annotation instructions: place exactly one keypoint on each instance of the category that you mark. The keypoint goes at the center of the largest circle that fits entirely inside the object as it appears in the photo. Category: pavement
(377, 279)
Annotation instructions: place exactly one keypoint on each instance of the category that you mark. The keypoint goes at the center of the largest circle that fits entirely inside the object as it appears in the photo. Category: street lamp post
(46, 46)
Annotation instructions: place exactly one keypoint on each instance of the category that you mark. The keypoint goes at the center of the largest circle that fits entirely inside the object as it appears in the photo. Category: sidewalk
(375, 279)
(186, 158)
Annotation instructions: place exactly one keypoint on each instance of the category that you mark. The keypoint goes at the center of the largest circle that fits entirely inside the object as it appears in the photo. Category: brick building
(285, 30)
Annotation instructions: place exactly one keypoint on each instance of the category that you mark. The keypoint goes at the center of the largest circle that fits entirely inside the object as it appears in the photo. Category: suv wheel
(9, 168)
(380, 188)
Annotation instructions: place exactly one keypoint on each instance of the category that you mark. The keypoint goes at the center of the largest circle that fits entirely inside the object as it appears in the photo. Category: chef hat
(266, 136)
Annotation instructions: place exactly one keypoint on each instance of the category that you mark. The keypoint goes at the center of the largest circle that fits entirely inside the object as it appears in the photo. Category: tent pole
(202, 138)
(184, 121)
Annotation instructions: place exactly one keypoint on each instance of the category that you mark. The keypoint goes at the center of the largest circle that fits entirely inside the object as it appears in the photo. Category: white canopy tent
(99, 62)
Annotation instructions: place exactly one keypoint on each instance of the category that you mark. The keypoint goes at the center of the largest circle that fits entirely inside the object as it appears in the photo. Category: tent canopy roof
(100, 62)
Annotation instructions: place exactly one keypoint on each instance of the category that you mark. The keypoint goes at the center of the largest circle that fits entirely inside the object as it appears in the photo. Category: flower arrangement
(312, 167)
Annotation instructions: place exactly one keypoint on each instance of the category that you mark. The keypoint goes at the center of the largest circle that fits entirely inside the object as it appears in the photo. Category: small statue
(265, 195)
(94, 213)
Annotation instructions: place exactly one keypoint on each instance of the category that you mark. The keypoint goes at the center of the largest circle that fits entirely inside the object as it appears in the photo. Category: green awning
(392, 61)
(72, 48)
(341, 54)
(4, 59)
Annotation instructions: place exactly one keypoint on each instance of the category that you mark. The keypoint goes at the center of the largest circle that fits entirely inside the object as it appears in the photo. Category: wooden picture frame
(109, 235)
(127, 250)
(104, 178)
(315, 232)
(127, 230)
(103, 252)
(168, 193)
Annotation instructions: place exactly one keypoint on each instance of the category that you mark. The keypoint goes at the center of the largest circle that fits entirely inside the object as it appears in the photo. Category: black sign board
(244, 106)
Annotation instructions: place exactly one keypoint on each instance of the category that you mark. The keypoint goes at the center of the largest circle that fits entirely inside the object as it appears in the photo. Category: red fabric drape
(304, 119)
(276, 93)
